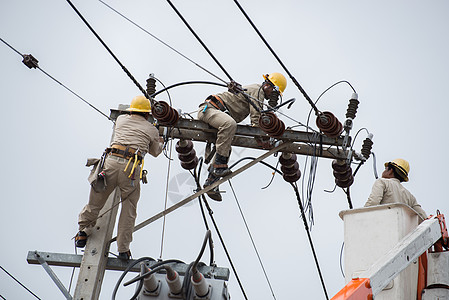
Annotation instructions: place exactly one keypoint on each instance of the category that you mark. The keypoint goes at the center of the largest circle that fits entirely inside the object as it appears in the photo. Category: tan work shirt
(390, 190)
(136, 132)
(239, 107)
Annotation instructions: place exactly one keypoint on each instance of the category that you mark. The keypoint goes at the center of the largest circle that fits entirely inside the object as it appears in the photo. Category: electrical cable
(2, 297)
(295, 187)
(252, 240)
(60, 83)
(161, 41)
(166, 198)
(228, 256)
(278, 59)
(112, 54)
(185, 83)
(20, 283)
(135, 262)
(199, 39)
(207, 238)
(341, 256)
(374, 165)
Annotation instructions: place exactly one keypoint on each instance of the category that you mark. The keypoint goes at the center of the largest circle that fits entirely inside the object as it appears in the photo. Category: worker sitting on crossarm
(389, 189)
(133, 137)
(224, 110)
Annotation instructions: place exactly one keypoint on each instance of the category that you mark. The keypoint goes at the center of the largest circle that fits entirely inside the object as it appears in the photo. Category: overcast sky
(394, 54)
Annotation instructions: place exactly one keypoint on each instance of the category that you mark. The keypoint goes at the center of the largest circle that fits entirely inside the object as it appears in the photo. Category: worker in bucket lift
(224, 110)
(389, 189)
(121, 166)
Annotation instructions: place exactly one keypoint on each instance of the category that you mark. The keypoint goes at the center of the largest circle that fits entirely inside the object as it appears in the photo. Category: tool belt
(124, 152)
(216, 102)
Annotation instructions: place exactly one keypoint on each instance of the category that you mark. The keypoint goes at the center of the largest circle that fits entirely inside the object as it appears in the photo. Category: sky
(393, 53)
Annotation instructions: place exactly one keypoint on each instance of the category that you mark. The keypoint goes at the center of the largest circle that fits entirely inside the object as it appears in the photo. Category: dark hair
(396, 174)
(140, 113)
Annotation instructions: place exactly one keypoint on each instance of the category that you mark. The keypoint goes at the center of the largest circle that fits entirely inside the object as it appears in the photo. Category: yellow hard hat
(401, 165)
(140, 104)
(278, 80)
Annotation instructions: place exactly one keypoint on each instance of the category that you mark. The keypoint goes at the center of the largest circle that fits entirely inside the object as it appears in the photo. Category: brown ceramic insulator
(184, 146)
(164, 113)
(366, 147)
(287, 159)
(271, 125)
(188, 156)
(345, 183)
(292, 178)
(190, 165)
(329, 124)
(340, 165)
(290, 169)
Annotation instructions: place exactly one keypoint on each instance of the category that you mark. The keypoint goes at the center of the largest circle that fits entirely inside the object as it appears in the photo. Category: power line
(278, 59)
(199, 40)
(112, 54)
(252, 240)
(20, 283)
(34, 64)
(161, 41)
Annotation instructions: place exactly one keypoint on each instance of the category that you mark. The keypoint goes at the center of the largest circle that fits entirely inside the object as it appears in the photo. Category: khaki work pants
(225, 124)
(130, 192)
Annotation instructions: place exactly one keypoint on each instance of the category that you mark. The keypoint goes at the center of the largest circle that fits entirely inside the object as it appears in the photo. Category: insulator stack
(164, 113)
(342, 173)
(151, 85)
(329, 124)
(367, 146)
(290, 167)
(186, 154)
(271, 125)
(274, 97)
(352, 107)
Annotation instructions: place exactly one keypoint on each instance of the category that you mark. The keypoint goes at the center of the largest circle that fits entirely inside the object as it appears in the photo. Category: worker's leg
(130, 190)
(226, 126)
(87, 217)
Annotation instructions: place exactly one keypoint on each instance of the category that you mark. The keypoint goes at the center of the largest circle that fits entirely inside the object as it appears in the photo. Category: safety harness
(216, 102)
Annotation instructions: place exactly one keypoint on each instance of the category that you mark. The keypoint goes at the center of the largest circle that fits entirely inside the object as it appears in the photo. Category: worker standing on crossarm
(389, 189)
(121, 166)
(224, 110)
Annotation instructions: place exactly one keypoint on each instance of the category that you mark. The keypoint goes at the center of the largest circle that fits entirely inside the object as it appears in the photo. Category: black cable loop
(161, 41)
(317, 112)
(199, 40)
(295, 188)
(144, 92)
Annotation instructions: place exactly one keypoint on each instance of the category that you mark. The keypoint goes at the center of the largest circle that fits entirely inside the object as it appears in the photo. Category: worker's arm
(155, 146)
(377, 193)
(418, 208)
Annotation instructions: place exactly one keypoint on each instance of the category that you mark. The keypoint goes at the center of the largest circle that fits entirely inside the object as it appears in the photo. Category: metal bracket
(52, 275)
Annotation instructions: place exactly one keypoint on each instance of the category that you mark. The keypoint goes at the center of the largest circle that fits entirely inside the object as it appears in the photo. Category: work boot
(214, 194)
(80, 239)
(124, 255)
(220, 166)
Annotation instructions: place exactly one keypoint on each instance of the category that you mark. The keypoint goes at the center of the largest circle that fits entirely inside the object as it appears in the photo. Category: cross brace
(115, 264)
(245, 136)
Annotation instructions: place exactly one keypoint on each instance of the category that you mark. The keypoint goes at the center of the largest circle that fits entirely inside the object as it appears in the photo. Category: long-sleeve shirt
(239, 107)
(136, 132)
(390, 190)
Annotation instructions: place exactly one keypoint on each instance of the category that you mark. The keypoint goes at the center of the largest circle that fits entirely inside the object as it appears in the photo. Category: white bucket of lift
(371, 232)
